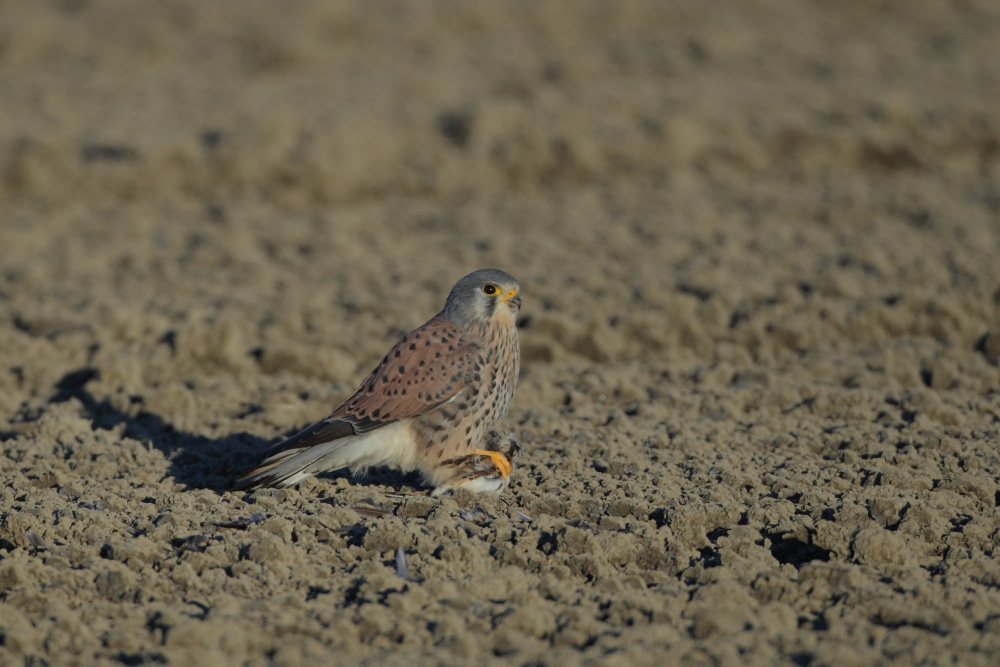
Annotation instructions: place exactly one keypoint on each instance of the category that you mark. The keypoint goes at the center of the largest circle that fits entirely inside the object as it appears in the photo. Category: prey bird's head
(483, 296)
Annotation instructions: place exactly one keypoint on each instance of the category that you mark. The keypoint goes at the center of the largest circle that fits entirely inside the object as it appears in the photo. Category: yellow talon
(499, 460)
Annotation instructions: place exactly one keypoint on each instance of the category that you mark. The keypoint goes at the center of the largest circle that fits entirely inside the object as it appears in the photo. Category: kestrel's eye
(490, 289)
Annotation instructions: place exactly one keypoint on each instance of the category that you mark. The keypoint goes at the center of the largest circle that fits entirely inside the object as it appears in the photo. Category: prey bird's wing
(427, 368)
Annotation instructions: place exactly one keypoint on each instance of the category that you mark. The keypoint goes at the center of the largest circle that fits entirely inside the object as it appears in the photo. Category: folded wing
(427, 368)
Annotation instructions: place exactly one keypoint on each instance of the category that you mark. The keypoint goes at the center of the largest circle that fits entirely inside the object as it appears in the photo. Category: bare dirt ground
(759, 244)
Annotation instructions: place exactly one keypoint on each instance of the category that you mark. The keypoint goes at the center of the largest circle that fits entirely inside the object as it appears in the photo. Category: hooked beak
(514, 301)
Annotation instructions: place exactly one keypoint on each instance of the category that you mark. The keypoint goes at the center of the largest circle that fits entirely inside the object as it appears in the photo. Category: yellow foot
(499, 460)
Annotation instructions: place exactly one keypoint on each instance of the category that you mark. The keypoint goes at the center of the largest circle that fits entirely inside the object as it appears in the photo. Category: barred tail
(312, 450)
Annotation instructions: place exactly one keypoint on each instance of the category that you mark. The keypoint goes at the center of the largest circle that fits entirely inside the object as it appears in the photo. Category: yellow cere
(510, 295)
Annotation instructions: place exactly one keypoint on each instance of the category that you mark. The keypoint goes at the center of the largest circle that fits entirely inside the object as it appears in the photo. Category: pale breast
(459, 426)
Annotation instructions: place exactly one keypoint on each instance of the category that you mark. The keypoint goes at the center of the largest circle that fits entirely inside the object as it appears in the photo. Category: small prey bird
(430, 405)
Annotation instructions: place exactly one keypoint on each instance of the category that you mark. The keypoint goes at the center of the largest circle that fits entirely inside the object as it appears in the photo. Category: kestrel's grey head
(482, 296)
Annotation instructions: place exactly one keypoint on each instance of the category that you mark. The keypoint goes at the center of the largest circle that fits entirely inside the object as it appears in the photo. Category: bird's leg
(499, 460)
(481, 464)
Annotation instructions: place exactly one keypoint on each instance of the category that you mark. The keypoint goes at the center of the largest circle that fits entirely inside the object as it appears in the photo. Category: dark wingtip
(247, 482)
(256, 478)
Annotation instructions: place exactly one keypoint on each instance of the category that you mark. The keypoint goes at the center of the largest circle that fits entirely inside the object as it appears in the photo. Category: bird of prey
(430, 404)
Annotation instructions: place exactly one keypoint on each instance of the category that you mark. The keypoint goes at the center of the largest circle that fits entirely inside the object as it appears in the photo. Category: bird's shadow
(196, 461)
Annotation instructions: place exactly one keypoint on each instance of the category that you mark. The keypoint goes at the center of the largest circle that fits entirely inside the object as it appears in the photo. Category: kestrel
(430, 404)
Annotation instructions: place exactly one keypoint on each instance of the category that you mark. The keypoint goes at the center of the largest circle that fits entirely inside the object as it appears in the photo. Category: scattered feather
(242, 523)
(35, 539)
(370, 510)
(518, 515)
(402, 568)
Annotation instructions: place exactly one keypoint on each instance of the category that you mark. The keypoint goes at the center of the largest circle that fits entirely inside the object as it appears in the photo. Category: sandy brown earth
(759, 244)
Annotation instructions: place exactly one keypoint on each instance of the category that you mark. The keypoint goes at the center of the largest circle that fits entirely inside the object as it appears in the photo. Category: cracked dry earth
(760, 398)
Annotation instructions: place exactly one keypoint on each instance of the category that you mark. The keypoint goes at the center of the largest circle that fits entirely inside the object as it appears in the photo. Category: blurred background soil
(760, 399)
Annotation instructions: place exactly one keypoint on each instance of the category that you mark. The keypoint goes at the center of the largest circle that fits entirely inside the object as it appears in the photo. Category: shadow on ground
(196, 461)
